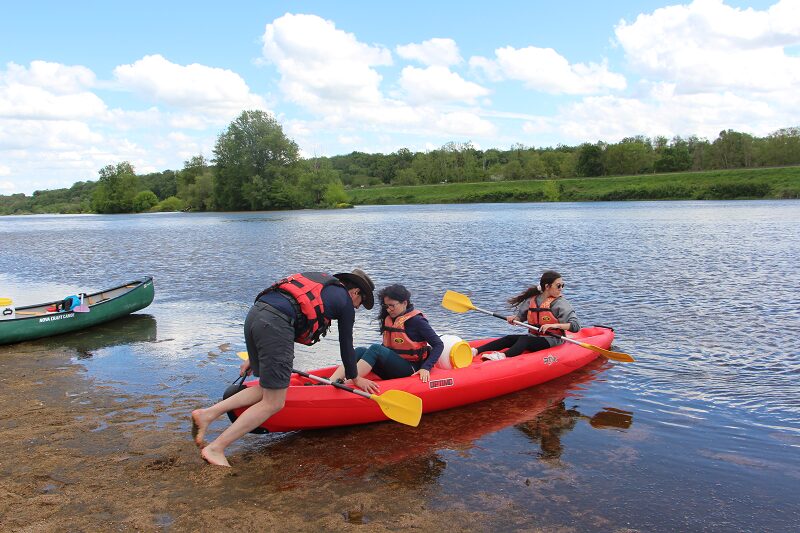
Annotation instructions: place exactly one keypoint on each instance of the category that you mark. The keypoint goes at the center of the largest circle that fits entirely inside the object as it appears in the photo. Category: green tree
(532, 165)
(590, 160)
(173, 203)
(255, 164)
(315, 183)
(632, 155)
(144, 200)
(406, 176)
(115, 189)
(199, 195)
(195, 183)
(780, 148)
(733, 149)
(334, 194)
(163, 184)
(675, 157)
(513, 170)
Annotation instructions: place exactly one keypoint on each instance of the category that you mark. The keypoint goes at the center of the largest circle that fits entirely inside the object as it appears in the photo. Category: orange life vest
(305, 290)
(538, 316)
(396, 339)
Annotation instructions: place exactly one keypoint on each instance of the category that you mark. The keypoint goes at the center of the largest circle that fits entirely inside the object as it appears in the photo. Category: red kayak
(312, 406)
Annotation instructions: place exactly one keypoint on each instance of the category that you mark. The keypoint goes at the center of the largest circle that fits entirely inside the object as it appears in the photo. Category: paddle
(460, 303)
(398, 405)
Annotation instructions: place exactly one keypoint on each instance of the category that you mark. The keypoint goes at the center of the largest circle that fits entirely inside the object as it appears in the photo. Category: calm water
(701, 433)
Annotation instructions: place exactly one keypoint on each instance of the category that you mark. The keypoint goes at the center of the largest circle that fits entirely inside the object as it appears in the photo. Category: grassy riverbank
(761, 183)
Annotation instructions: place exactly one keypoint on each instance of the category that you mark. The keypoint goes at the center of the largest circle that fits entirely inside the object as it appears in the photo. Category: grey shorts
(269, 336)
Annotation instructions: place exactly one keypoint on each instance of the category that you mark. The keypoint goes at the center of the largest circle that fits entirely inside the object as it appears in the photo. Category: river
(702, 432)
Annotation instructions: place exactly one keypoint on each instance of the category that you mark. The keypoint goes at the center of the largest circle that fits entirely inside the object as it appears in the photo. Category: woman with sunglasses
(410, 345)
(542, 306)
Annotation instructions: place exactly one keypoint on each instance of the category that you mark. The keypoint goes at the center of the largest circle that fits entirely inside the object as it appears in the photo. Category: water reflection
(419, 456)
(126, 330)
(548, 426)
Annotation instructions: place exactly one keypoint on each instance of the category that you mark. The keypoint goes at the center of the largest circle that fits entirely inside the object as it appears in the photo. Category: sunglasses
(560, 285)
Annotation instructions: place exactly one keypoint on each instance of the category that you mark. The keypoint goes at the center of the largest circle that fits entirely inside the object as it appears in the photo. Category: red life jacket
(305, 290)
(396, 339)
(538, 316)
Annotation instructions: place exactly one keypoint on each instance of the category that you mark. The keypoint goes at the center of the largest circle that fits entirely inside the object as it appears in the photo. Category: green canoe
(35, 321)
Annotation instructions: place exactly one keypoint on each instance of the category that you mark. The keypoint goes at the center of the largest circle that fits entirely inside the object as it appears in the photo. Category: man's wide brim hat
(360, 279)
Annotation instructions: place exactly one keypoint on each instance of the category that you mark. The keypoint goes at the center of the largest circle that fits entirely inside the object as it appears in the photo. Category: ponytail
(547, 278)
(524, 295)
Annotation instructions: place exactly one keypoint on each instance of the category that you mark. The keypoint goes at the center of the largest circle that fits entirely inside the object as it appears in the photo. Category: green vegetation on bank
(257, 167)
(714, 185)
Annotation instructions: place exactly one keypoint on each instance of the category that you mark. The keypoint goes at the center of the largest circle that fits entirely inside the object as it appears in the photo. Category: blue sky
(87, 84)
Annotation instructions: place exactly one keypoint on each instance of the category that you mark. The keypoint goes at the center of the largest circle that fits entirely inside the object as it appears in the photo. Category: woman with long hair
(543, 306)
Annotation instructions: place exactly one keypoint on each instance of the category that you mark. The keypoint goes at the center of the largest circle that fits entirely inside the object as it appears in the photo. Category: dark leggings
(386, 363)
(516, 344)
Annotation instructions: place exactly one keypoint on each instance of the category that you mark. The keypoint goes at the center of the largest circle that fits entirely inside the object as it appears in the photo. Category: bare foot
(214, 458)
(199, 426)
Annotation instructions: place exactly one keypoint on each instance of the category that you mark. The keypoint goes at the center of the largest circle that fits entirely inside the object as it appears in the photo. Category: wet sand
(79, 456)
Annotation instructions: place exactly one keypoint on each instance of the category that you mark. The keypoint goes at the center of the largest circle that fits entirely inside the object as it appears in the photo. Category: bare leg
(363, 367)
(202, 418)
(272, 401)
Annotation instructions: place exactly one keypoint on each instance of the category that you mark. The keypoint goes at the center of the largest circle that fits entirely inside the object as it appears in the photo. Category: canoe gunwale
(135, 285)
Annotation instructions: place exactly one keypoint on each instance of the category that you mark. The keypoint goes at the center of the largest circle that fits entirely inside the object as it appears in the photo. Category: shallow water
(701, 433)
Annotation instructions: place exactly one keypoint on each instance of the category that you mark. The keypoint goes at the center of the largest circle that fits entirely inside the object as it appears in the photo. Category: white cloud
(46, 135)
(349, 139)
(54, 77)
(21, 101)
(438, 84)
(661, 111)
(48, 91)
(219, 94)
(333, 75)
(5, 170)
(544, 69)
(462, 123)
(320, 64)
(436, 51)
(709, 46)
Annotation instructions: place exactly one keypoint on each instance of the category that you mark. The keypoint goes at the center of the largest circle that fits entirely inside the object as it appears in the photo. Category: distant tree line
(455, 162)
(257, 167)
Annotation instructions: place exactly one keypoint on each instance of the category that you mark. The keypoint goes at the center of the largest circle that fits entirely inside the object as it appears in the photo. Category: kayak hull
(311, 406)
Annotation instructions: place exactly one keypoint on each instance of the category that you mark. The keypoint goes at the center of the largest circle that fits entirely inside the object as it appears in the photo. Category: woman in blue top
(410, 345)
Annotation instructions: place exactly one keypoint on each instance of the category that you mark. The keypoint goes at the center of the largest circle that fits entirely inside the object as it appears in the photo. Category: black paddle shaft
(334, 383)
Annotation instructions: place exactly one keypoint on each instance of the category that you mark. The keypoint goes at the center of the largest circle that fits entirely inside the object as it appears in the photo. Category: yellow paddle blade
(242, 355)
(455, 301)
(614, 356)
(400, 406)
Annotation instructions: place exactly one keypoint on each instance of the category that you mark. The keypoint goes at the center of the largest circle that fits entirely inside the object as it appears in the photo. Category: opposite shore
(775, 183)
(761, 183)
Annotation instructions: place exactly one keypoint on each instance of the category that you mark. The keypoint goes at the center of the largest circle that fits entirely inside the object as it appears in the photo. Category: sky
(85, 84)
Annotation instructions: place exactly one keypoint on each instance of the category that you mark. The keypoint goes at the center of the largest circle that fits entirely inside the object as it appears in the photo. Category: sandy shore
(80, 456)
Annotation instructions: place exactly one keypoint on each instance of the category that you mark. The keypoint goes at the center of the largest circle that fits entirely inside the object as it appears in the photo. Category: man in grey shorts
(298, 308)
(269, 335)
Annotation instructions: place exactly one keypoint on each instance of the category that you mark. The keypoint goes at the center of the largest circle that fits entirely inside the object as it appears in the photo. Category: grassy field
(761, 183)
